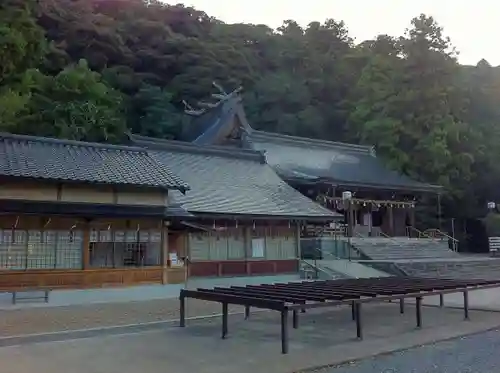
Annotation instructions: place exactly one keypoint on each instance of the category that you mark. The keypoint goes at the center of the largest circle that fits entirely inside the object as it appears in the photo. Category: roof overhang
(91, 210)
(202, 227)
(422, 188)
(180, 188)
(255, 217)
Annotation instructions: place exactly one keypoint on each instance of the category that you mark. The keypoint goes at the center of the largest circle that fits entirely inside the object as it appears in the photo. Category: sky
(472, 25)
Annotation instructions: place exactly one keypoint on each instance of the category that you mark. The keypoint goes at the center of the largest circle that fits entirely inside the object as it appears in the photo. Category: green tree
(405, 103)
(76, 104)
(22, 42)
(156, 116)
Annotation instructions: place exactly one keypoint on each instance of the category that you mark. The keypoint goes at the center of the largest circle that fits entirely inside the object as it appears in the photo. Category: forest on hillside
(90, 69)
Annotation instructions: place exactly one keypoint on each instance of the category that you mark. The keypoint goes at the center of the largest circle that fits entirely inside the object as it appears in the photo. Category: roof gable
(216, 122)
(76, 161)
(233, 182)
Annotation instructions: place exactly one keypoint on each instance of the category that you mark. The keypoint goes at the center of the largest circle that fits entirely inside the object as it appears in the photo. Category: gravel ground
(54, 319)
(473, 354)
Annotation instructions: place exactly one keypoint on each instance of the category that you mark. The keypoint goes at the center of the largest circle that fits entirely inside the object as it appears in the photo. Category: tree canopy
(90, 70)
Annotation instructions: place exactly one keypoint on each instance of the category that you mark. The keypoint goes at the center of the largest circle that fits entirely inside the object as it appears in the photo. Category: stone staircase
(350, 269)
(487, 269)
(402, 248)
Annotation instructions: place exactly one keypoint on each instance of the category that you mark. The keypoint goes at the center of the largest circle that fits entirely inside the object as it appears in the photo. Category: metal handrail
(440, 232)
(328, 253)
(383, 235)
(426, 235)
(454, 241)
(420, 233)
(316, 268)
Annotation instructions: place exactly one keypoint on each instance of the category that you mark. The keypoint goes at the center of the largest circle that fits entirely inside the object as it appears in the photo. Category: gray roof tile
(318, 160)
(233, 182)
(65, 160)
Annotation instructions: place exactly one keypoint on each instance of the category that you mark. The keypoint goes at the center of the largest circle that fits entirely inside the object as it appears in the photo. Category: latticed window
(116, 249)
(36, 249)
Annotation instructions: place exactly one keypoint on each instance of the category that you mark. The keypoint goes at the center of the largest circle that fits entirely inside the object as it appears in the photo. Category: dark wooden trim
(11, 280)
(229, 268)
(90, 210)
(86, 246)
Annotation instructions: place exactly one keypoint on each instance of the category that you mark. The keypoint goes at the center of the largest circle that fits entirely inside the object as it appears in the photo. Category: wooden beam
(164, 254)
(391, 220)
(86, 246)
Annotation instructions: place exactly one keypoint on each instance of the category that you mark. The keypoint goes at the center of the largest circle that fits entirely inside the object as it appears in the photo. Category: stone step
(402, 248)
(487, 269)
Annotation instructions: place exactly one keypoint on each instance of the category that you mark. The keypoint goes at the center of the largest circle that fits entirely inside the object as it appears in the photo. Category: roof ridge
(51, 140)
(308, 141)
(181, 146)
(224, 98)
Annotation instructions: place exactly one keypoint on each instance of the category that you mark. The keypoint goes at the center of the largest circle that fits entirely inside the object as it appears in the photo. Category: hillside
(90, 69)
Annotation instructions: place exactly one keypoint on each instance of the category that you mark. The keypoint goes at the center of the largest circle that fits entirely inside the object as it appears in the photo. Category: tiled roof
(318, 160)
(303, 159)
(231, 182)
(75, 161)
(208, 125)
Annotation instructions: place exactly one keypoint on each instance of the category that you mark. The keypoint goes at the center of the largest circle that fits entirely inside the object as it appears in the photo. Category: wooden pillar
(412, 216)
(350, 219)
(86, 246)
(370, 220)
(247, 242)
(297, 232)
(391, 220)
(354, 213)
(164, 252)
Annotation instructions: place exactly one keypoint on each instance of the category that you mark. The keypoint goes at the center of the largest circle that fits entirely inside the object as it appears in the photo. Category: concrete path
(324, 337)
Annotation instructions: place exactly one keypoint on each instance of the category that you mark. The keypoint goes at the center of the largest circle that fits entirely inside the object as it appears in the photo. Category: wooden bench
(39, 294)
(494, 243)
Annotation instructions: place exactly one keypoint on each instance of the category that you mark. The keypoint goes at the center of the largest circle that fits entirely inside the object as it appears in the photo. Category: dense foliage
(88, 69)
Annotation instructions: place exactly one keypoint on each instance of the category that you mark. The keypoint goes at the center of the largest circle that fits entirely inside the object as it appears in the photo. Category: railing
(438, 234)
(317, 269)
(412, 232)
(385, 235)
(381, 234)
(432, 234)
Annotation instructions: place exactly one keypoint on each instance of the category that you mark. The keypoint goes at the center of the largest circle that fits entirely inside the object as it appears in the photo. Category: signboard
(258, 245)
(173, 259)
